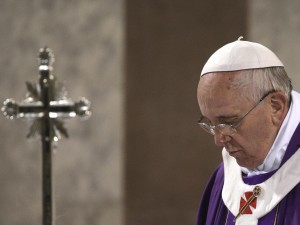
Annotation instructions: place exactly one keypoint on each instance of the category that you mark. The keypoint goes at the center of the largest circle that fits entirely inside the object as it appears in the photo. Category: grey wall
(87, 40)
(276, 24)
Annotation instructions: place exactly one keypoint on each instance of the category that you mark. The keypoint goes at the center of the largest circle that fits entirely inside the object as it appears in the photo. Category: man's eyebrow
(229, 117)
(220, 119)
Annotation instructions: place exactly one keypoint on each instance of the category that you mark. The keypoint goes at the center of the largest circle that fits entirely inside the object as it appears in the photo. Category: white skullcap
(241, 55)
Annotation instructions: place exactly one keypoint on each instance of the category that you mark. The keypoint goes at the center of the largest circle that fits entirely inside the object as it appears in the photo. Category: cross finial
(47, 98)
(46, 103)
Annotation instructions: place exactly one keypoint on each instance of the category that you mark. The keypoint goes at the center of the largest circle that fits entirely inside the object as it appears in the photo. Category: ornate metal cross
(45, 103)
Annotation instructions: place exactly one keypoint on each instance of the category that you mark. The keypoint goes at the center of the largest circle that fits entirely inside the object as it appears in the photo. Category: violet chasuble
(278, 200)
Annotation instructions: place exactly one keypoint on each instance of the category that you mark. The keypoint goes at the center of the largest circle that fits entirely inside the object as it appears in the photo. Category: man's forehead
(217, 81)
(216, 91)
(222, 107)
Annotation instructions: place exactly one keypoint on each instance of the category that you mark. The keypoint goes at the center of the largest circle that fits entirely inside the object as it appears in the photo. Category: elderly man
(248, 105)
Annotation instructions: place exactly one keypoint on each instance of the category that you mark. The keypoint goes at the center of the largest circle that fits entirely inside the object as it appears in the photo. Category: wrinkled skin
(220, 102)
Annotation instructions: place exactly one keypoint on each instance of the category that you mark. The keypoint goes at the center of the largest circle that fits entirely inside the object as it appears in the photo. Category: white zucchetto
(241, 55)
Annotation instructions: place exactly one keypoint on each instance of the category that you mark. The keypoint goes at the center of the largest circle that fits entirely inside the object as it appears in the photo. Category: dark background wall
(168, 158)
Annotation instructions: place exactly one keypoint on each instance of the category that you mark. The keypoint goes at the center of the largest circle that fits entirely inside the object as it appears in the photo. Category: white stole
(274, 189)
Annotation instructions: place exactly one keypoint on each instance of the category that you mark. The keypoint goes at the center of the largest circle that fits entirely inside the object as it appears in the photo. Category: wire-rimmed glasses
(230, 128)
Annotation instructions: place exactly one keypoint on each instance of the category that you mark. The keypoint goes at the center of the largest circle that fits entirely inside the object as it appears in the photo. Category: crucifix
(45, 104)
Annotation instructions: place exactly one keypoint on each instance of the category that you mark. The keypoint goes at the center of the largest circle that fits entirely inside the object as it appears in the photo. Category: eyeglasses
(229, 129)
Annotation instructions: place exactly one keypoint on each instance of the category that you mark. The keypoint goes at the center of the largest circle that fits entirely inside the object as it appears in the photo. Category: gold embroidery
(227, 216)
(275, 219)
(276, 214)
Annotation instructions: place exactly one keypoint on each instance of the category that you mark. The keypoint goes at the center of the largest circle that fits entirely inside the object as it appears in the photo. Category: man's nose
(221, 139)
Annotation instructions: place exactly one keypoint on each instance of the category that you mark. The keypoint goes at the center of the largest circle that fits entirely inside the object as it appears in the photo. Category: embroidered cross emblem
(244, 200)
(249, 202)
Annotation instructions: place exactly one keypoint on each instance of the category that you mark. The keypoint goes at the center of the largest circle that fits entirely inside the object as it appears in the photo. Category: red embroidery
(243, 201)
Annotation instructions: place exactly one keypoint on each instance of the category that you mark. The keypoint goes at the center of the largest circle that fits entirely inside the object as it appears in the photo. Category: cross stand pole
(46, 102)
(47, 186)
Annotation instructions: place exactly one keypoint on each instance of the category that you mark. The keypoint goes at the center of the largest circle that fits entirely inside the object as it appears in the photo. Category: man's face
(221, 103)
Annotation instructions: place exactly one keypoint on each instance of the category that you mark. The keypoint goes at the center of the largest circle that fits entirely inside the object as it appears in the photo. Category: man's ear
(279, 104)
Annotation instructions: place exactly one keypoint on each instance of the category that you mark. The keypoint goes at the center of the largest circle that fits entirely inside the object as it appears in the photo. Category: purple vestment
(212, 210)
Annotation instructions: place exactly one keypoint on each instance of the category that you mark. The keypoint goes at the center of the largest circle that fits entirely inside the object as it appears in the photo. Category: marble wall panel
(276, 24)
(87, 40)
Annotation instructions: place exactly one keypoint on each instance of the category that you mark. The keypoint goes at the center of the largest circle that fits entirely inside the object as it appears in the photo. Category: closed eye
(232, 120)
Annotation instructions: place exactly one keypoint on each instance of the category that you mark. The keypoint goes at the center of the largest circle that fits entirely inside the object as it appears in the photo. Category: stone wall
(276, 24)
(87, 40)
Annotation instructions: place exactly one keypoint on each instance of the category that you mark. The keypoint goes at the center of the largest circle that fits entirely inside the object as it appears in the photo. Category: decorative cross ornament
(248, 203)
(46, 102)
